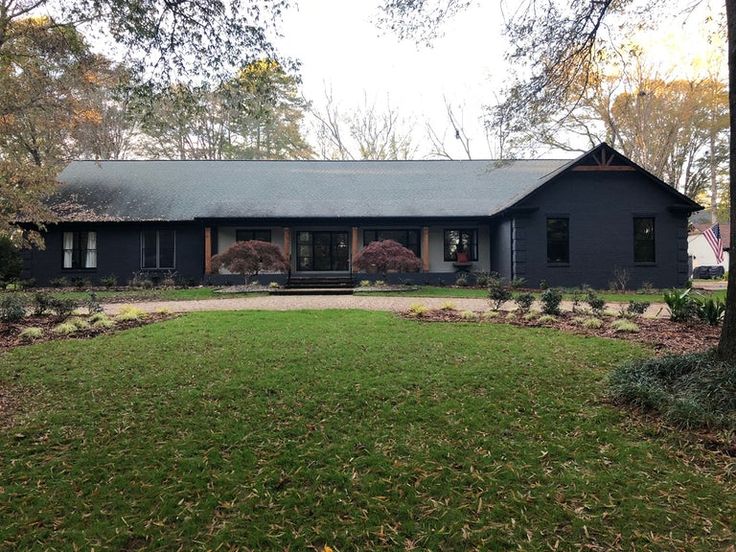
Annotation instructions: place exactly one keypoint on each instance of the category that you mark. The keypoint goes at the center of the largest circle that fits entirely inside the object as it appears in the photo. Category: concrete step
(312, 291)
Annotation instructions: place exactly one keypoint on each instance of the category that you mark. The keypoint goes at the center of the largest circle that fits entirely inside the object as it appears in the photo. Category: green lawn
(360, 430)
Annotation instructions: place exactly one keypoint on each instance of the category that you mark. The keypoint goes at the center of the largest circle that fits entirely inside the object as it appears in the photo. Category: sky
(340, 47)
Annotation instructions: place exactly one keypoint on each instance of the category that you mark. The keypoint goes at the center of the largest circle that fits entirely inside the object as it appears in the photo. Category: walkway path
(298, 302)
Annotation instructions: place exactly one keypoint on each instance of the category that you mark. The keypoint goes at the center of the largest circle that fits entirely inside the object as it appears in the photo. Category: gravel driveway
(299, 302)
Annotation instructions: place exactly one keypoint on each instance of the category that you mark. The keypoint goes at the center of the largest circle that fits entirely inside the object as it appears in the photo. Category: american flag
(713, 237)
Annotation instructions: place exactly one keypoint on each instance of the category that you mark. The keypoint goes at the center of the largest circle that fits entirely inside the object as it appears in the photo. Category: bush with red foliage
(384, 256)
(250, 258)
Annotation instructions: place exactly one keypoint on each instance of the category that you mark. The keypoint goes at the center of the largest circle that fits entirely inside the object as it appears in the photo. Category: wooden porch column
(207, 250)
(355, 245)
(287, 245)
(425, 249)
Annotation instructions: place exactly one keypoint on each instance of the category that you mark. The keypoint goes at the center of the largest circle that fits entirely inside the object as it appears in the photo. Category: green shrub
(637, 308)
(62, 308)
(491, 314)
(499, 292)
(65, 328)
(447, 306)
(41, 303)
(681, 304)
(109, 281)
(551, 299)
(365, 283)
(163, 310)
(711, 310)
(482, 278)
(688, 390)
(59, 282)
(274, 285)
(417, 309)
(524, 302)
(11, 263)
(12, 307)
(29, 334)
(596, 303)
(129, 312)
(103, 323)
(379, 283)
(547, 319)
(531, 315)
(518, 282)
(462, 280)
(592, 323)
(624, 326)
(511, 315)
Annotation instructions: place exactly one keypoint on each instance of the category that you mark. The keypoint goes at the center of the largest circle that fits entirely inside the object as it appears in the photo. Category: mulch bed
(9, 331)
(664, 336)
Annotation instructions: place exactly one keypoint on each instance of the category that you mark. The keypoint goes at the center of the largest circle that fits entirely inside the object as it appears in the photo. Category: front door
(323, 251)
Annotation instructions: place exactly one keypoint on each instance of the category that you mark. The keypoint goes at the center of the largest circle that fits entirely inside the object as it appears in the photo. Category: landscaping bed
(11, 333)
(664, 336)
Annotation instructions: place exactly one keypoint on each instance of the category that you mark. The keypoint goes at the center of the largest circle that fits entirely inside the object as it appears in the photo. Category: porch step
(312, 291)
(320, 282)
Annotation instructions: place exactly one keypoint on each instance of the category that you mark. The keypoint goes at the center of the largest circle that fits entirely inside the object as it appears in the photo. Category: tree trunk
(713, 175)
(727, 345)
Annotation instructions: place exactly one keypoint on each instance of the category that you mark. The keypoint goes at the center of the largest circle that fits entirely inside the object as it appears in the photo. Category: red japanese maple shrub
(386, 255)
(250, 258)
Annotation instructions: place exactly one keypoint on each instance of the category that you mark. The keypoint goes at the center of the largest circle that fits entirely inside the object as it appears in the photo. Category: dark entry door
(323, 251)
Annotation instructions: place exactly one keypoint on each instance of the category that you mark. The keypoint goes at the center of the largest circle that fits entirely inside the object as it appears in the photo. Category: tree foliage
(250, 258)
(255, 115)
(386, 255)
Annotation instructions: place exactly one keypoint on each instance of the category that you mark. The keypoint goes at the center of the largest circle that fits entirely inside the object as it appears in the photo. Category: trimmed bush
(688, 390)
(12, 308)
(447, 306)
(491, 314)
(499, 291)
(524, 302)
(547, 319)
(531, 315)
(551, 299)
(30, 334)
(163, 310)
(511, 315)
(624, 326)
(468, 315)
(65, 328)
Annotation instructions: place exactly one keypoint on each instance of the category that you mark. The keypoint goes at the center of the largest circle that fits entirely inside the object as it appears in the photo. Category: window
(644, 251)
(158, 249)
(249, 235)
(80, 250)
(558, 240)
(407, 238)
(461, 241)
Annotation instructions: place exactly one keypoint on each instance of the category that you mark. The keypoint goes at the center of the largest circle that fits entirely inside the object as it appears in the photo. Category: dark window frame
(557, 260)
(473, 232)
(376, 231)
(252, 231)
(79, 254)
(637, 241)
(158, 250)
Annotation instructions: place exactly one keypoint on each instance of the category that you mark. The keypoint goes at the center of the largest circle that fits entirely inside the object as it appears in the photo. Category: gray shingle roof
(184, 190)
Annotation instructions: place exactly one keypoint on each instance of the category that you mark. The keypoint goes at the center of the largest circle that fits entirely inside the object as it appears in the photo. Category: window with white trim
(79, 250)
